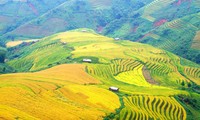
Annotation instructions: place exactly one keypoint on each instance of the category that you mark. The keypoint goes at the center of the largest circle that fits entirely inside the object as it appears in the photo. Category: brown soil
(147, 76)
(196, 41)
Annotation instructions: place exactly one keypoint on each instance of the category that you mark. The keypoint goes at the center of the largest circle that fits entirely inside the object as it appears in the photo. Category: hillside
(73, 14)
(14, 13)
(172, 25)
(153, 83)
(168, 24)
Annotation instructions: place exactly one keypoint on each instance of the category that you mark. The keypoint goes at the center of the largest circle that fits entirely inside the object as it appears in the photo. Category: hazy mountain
(14, 13)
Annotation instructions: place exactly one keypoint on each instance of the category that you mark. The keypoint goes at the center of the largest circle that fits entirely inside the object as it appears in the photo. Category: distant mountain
(172, 25)
(14, 13)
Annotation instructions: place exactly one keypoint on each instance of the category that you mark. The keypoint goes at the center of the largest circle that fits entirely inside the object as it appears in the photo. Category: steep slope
(69, 15)
(14, 13)
(128, 65)
(76, 14)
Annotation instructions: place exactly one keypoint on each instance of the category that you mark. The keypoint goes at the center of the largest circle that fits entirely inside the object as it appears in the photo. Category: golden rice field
(62, 92)
(152, 107)
(133, 77)
(13, 43)
(193, 73)
(71, 37)
(18, 42)
(123, 65)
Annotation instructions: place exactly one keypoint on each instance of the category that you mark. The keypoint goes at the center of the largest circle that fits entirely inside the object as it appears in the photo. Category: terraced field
(176, 24)
(159, 69)
(197, 3)
(123, 65)
(38, 60)
(118, 56)
(193, 73)
(168, 45)
(133, 77)
(69, 82)
(153, 7)
(155, 36)
(152, 107)
(101, 4)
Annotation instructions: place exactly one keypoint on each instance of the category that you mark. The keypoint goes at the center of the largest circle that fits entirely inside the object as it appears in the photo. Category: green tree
(2, 55)
(183, 83)
(189, 84)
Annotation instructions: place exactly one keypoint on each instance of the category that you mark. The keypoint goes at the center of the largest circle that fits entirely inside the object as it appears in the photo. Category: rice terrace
(99, 60)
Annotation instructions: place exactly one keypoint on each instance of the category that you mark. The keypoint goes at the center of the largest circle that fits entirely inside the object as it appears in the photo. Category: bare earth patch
(148, 77)
(196, 41)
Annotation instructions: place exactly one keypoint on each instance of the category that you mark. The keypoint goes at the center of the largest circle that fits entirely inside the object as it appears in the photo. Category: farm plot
(153, 7)
(152, 107)
(134, 76)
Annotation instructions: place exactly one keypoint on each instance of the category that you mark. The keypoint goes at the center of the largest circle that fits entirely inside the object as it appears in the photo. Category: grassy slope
(115, 63)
